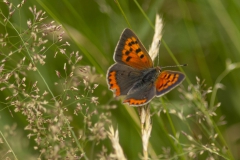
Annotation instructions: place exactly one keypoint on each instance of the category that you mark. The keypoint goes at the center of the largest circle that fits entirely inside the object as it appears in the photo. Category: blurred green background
(203, 34)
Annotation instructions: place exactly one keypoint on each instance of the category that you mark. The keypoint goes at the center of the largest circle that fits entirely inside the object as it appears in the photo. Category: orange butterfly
(133, 73)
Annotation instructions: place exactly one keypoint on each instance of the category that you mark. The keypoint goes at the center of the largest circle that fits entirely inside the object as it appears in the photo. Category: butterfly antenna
(181, 65)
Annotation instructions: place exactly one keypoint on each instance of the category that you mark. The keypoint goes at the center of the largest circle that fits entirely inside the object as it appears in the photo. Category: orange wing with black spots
(113, 84)
(168, 80)
(131, 52)
(135, 102)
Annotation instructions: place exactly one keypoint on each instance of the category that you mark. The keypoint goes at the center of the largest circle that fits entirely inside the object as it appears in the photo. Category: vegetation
(54, 100)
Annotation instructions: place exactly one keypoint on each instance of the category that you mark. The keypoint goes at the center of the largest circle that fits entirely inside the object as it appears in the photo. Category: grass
(55, 103)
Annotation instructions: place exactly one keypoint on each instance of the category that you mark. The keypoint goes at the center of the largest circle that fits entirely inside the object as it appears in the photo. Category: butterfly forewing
(167, 80)
(131, 52)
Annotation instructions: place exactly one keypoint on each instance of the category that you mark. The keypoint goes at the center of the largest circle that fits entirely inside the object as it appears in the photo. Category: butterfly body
(133, 73)
(148, 77)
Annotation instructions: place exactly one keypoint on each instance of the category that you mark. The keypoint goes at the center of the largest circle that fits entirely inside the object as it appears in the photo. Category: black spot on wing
(138, 50)
(166, 84)
(168, 76)
(128, 58)
(127, 52)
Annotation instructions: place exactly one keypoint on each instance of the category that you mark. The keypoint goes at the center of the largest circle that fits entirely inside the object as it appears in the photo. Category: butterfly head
(159, 69)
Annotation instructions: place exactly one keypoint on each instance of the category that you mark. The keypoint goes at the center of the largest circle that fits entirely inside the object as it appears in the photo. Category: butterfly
(133, 74)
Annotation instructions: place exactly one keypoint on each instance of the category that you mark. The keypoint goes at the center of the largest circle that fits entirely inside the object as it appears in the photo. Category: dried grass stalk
(144, 111)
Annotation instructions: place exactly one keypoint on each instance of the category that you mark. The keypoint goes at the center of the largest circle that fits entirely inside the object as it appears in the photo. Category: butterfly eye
(159, 70)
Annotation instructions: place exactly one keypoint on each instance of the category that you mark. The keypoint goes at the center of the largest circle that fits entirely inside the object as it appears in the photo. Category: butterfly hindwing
(121, 78)
(141, 96)
(167, 80)
(131, 52)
